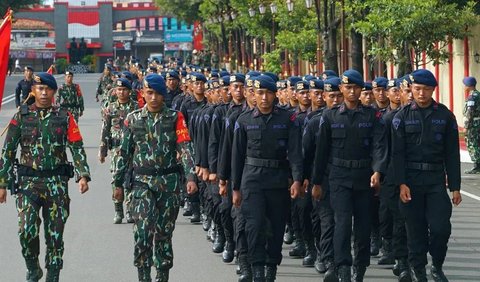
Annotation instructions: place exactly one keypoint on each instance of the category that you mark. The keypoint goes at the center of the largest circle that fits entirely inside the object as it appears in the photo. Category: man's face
(264, 99)
(123, 94)
(316, 97)
(379, 94)
(351, 92)
(250, 96)
(172, 83)
(236, 90)
(303, 98)
(422, 94)
(43, 95)
(406, 94)
(153, 99)
(68, 79)
(394, 95)
(198, 87)
(333, 98)
(215, 96)
(291, 96)
(366, 97)
(28, 74)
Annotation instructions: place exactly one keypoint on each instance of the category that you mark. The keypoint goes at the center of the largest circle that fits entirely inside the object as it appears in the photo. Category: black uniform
(425, 150)
(177, 101)
(260, 169)
(350, 143)
(170, 98)
(24, 87)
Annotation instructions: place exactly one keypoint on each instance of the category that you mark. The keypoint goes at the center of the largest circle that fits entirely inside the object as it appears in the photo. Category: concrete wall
(60, 17)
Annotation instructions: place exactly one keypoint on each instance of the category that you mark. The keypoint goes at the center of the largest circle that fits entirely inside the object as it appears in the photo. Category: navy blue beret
(214, 74)
(249, 81)
(316, 84)
(405, 81)
(238, 77)
(123, 82)
(172, 74)
(352, 77)
(281, 84)
(215, 70)
(109, 67)
(116, 74)
(128, 75)
(292, 80)
(225, 80)
(155, 82)
(223, 73)
(470, 81)
(272, 75)
(392, 83)
(252, 73)
(265, 82)
(28, 68)
(43, 78)
(332, 84)
(207, 69)
(308, 77)
(184, 73)
(423, 76)
(328, 73)
(367, 86)
(301, 85)
(153, 69)
(380, 82)
(196, 76)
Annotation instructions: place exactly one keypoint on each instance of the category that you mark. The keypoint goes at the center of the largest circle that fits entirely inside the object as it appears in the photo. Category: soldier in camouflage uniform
(43, 133)
(113, 123)
(105, 82)
(69, 97)
(472, 123)
(152, 138)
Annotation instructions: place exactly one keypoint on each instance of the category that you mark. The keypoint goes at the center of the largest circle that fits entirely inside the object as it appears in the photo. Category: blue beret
(249, 81)
(128, 75)
(332, 84)
(153, 68)
(316, 84)
(292, 80)
(123, 82)
(207, 69)
(116, 74)
(405, 81)
(301, 85)
(423, 76)
(367, 86)
(352, 77)
(109, 67)
(28, 68)
(196, 76)
(172, 74)
(238, 77)
(308, 77)
(470, 81)
(225, 80)
(223, 73)
(155, 82)
(392, 83)
(252, 73)
(43, 78)
(328, 73)
(281, 84)
(380, 82)
(214, 74)
(184, 73)
(272, 75)
(215, 84)
(265, 82)
(215, 70)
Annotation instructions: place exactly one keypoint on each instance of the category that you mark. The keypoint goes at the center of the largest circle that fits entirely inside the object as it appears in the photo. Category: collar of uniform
(144, 112)
(257, 113)
(343, 109)
(299, 111)
(414, 105)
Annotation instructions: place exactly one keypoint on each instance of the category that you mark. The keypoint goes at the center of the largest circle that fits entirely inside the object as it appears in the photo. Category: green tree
(185, 10)
(15, 5)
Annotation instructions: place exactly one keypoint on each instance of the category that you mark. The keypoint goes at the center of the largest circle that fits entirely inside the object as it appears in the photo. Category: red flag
(50, 70)
(5, 31)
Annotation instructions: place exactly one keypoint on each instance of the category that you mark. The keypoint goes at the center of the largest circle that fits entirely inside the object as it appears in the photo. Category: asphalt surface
(98, 250)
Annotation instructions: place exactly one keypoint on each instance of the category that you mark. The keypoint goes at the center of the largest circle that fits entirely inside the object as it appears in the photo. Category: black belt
(61, 170)
(425, 166)
(269, 163)
(156, 171)
(366, 163)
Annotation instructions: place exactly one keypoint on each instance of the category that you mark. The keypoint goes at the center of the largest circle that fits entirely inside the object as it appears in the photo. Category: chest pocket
(254, 141)
(412, 133)
(365, 137)
(116, 121)
(58, 127)
(168, 133)
(29, 132)
(338, 137)
(139, 131)
(438, 132)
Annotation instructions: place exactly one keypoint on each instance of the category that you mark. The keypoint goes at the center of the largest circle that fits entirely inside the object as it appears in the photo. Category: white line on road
(5, 101)
(475, 197)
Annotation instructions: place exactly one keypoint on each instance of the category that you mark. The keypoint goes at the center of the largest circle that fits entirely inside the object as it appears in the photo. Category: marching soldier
(43, 133)
(156, 186)
(104, 83)
(366, 97)
(24, 87)
(472, 123)
(112, 127)
(173, 89)
(69, 97)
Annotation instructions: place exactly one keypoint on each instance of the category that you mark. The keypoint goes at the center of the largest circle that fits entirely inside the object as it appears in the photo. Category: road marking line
(475, 197)
(8, 100)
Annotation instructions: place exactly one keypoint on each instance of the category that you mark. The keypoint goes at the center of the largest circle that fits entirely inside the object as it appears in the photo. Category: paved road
(97, 250)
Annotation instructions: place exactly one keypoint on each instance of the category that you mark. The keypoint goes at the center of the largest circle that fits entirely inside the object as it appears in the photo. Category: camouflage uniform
(112, 126)
(43, 173)
(472, 125)
(104, 85)
(70, 98)
(151, 142)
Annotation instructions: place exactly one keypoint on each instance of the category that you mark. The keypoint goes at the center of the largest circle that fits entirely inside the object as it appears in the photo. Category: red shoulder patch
(181, 129)
(13, 122)
(73, 133)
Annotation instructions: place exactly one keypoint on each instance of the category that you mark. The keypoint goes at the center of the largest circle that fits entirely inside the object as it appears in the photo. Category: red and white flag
(5, 31)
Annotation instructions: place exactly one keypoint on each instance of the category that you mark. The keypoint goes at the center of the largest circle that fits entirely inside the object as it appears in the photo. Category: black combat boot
(396, 269)
(144, 274)
(319, 265)
(207, 222)
(299, 250)
(258, 273)
(374, 242)
(330, 274)
(245, 269)
(162, 275)
(219, 243)
(187, 208)
(270, 272)
(358, 273)
(311, 254)
(195, 213)
(53, 274)
(344, 273)
(118, 213)
(437, 273)
(419, 274)
(228, 251)
(387, 257)
(475, 169)
(288, 236)
(404, 274)
(34, 271)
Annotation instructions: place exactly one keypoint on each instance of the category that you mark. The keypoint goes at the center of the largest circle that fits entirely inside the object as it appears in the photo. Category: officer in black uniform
(263, 138)
(24, 87)
(426, 160)
(350, 143)
(322, 214)
(172, 80)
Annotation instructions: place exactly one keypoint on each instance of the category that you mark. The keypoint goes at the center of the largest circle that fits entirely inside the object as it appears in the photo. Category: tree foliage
(186, 10)
(15, 5)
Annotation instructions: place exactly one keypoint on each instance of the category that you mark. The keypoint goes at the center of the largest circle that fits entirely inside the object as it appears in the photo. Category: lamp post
(273, 9)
